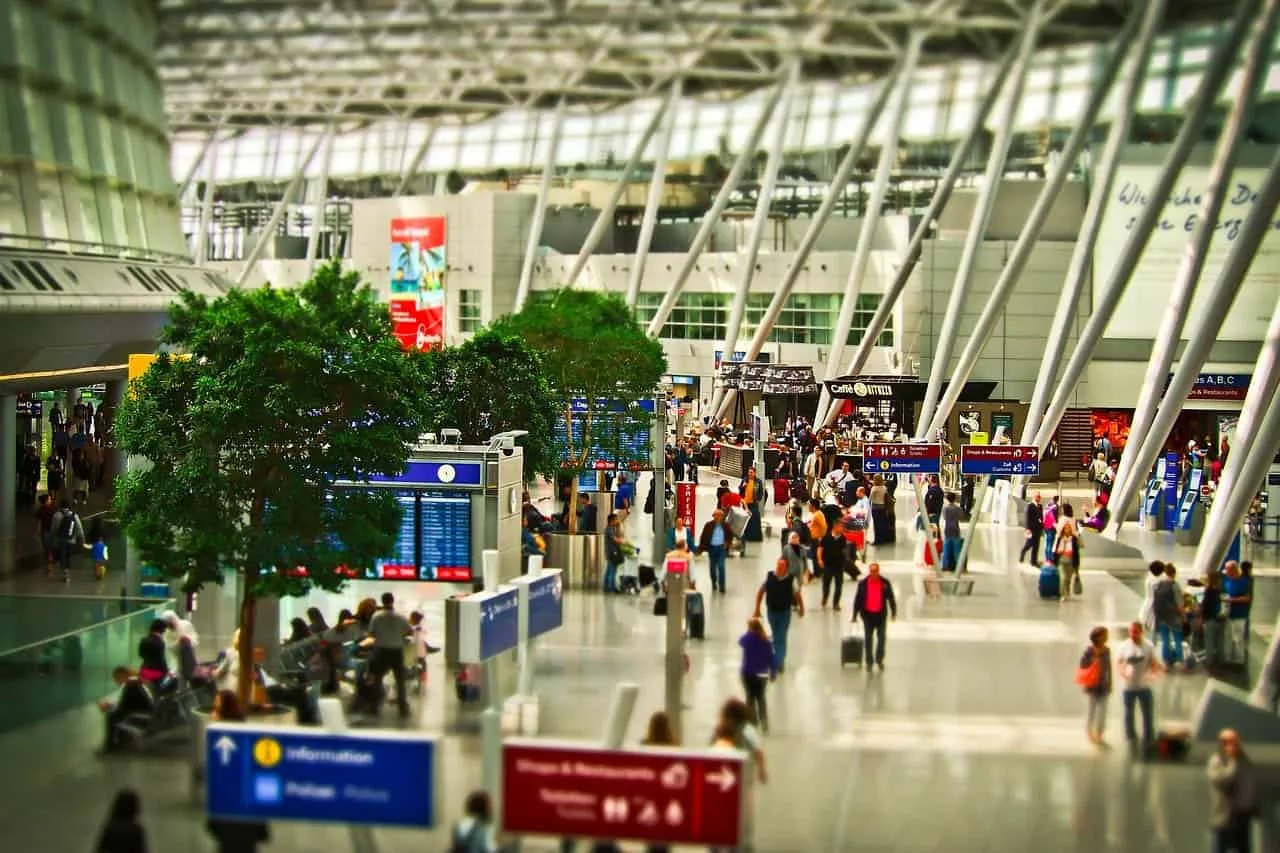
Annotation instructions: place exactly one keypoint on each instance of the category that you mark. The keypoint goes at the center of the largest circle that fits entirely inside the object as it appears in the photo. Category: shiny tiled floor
(971, 740)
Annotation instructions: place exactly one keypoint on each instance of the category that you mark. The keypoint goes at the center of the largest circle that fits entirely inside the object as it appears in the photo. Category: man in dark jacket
(715, 541)
(1033, 524)
(875, 603)
(832, 560)
(933, 498)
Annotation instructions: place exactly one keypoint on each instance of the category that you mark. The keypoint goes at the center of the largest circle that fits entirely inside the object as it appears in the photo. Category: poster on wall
(970, 422)
(1002, 421)
(417, 281)
(1156, 272)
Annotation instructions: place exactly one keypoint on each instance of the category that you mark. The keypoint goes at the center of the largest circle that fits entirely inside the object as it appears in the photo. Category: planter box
(579, 556)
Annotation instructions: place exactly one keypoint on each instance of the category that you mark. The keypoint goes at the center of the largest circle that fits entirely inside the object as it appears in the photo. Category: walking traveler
(1233, 795)
(875, 604)
(779, 595)
(1137, 660)
(1094, 675)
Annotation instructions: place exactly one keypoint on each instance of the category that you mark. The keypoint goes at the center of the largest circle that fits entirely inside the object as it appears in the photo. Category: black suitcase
(660, 606)
(695, 614)
(851, 651)
(648, 577)
(799, 491)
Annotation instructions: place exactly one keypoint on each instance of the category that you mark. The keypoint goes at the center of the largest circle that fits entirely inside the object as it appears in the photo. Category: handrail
(47, 640)
(49, 245)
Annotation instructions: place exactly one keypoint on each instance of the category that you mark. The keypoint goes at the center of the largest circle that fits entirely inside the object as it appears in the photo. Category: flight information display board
(401, 563)
(444, 536)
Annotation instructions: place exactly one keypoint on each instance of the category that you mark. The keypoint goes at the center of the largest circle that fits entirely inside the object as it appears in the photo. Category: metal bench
(171, 719)
(936, 586)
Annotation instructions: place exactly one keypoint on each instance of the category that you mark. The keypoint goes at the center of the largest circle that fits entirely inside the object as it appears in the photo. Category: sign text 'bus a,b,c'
(261, 773)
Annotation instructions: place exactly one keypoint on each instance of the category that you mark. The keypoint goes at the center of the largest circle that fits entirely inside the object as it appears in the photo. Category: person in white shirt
(1137, 662)
(837, 479)
(810, 470)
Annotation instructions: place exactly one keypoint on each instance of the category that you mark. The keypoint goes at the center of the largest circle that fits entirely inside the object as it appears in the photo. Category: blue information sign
(1170, 490)
(421, 472)
(271, 773)
(895, 458)
(999, 460)
(546, 605)
(499, 623)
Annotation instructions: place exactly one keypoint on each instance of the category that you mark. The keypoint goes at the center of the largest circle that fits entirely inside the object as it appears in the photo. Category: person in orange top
(752, 497)
(817, 532)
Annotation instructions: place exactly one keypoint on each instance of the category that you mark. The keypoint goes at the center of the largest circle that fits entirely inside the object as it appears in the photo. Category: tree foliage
(492, 383)
(281, 393)
(592, 350)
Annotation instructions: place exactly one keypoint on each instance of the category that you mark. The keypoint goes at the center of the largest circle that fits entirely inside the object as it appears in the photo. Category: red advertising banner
(658, 796)
(418, 265)
(687, 503)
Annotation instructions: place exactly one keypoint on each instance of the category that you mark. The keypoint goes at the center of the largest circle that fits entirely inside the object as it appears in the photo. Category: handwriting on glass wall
(1182, 213)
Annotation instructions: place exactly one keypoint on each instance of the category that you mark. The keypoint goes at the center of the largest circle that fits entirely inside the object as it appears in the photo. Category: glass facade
(469, 314)
(806, 318)
(825, 116)
(84, 150)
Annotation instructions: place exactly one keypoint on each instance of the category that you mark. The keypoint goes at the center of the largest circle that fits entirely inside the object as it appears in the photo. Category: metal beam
(1203, 335)
(317, 214)
(206, 211)
(1164, 348)
(1104, 174)
(605, 218)
(411, 170)
(1107, 297)
(653, 203)
(941, 195)
(540, 207)
(944, 342)
(712, 217)
(209, 143)
(1257, 437)
(285, 200)
(985, 326)
(764, 204)
(810, 239)
(894, 118)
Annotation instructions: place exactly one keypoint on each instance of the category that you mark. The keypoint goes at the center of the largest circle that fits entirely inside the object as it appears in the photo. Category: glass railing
(64, 671)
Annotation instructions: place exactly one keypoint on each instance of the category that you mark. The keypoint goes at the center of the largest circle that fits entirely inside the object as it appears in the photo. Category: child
(98, 549)
(420, 648)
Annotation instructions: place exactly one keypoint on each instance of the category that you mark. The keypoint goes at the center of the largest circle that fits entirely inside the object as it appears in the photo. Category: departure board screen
(401, 564)
(444, 537)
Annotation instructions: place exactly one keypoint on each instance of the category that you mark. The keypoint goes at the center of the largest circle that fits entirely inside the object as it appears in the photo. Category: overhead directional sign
(999, 460)
(659, 796)
(894, 458)
(263, 773)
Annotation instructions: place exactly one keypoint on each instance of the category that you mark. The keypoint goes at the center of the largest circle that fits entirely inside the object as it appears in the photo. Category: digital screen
(444, 536)
(401, 564)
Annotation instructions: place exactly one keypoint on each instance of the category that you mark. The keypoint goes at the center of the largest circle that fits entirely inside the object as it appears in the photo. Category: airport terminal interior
(1023, 253)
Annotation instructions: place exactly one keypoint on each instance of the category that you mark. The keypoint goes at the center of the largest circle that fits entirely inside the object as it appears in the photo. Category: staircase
(1075, 441)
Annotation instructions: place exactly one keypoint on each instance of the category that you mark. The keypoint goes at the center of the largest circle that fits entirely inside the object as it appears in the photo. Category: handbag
(1090, 676)
(1077, 588)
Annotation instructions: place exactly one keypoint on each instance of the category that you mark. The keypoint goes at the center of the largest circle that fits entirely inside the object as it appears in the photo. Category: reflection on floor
(972, 739)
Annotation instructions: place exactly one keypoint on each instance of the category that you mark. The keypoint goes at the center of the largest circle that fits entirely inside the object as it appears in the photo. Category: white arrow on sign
(724, 778)
(225, 747)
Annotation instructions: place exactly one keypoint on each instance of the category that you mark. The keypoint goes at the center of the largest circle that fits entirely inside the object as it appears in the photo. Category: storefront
(1208, 417)
(884, 408)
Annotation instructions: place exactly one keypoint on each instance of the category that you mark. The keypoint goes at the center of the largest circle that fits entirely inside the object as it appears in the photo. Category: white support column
(941, 195)
(203, 237)
(944, 342)
(605, 218)
(1107, 296)
(1104, 175)
(8, 479)
(209, 144)
(894, 116)
(829, 201)
(411, 170)
(994, 307)
(712, 217)
(652, 204)
(540, 206)
(276, 215)
(1251, 455)
(1202, 337)
(764, 203)
(1164, 348)
(322, 203)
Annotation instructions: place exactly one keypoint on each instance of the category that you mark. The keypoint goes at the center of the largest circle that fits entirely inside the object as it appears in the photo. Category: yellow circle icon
(267, 753)
(884, 466)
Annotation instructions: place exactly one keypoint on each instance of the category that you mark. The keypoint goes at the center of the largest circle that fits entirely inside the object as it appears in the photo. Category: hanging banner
(418, 264)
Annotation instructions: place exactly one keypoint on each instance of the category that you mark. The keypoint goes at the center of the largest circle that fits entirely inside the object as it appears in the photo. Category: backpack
(465, 843)
(67, 527)
(1164, 602)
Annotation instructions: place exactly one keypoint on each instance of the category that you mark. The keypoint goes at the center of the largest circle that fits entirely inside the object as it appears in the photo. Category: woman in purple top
(758, 668)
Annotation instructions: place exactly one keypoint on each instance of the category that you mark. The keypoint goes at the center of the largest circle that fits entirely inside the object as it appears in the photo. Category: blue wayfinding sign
(546, 604)
(499, 623)
(272, 773)
(1171, 472)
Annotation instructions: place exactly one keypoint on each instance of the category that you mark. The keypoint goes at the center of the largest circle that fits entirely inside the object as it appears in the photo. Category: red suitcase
(781, 491)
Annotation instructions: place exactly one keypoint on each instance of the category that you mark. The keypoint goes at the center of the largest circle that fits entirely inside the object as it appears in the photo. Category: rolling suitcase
(799, 491)
(851, 651)
(781, 491)
(737, 517)
(695, 615)
(660, 606)
(1049, 583)
(647, 577)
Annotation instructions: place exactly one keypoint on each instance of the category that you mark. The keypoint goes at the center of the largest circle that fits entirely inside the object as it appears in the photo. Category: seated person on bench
(1097, 520)
(133, 698)
(154, 662)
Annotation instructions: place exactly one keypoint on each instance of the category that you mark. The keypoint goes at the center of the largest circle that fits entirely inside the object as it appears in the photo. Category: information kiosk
(1152, 516)
(1191, 511)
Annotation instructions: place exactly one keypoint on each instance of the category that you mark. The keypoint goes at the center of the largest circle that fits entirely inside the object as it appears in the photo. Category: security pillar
(8, 480)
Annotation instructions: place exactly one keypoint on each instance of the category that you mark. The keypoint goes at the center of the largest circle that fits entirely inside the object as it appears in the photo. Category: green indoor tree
(592, 351)
(283, 392)
(492, 383)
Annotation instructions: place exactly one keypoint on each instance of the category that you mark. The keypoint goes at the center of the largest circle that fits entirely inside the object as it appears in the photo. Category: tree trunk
(248, 617)
(571, 517)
